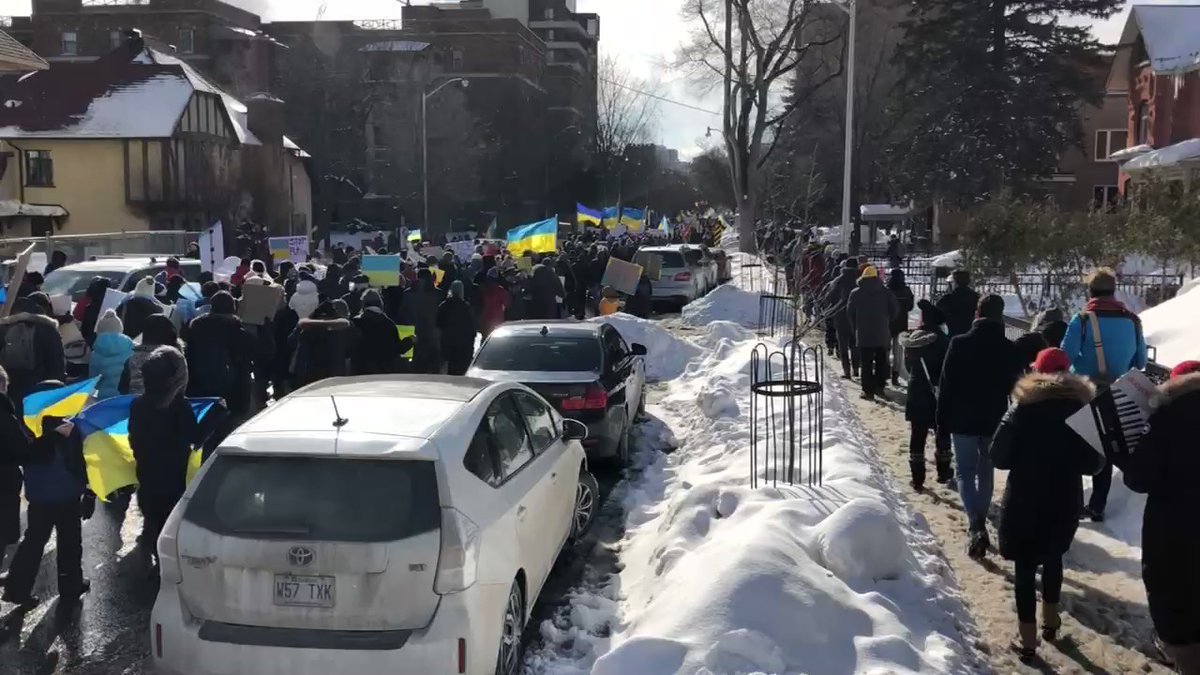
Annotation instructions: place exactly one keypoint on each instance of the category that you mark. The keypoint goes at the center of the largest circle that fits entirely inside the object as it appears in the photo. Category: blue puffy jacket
(109, 354)
(1121, 335)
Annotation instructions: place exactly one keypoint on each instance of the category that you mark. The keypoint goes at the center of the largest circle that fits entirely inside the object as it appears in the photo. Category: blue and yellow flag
(611, 217)
(64, 402)
(106, 451)
(634, 220)
(586, 216)
(537, 237)
(665, 226)
(415, 235)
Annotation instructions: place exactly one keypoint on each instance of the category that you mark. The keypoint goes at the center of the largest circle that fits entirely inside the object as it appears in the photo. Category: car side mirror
(638, 350)
(574, 430)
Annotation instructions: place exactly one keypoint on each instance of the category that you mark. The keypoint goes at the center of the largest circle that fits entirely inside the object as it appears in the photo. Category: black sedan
(587, 371)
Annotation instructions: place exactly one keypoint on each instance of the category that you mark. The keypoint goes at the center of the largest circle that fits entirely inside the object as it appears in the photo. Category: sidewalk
(1106, 623)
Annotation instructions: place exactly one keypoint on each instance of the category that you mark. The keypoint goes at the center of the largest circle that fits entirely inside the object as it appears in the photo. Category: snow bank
(726, 303)
(718, 578)
(668, 355)
(1174, 328)
(951, 259)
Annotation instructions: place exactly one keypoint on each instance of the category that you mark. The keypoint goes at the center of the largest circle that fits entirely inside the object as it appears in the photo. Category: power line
(664, 99)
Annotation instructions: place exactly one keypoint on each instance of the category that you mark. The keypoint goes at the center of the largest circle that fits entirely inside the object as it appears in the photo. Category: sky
(644, 35)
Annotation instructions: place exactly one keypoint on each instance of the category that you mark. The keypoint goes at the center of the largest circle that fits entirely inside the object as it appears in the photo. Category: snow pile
(1174, 328)
(950, 259)
(725, 303)
(667, 355)
(719, 578)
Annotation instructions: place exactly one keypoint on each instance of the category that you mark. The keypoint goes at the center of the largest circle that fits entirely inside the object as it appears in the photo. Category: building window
(1143, 123)
(187, 41)
(550, 35)
(70, 43)
(39, 169)
(549, 14)
(457, 59)
(116, 38)
(1105, 195)
(1109, 141)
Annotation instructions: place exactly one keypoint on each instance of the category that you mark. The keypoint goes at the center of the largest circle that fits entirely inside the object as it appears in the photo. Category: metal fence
(1040, 291)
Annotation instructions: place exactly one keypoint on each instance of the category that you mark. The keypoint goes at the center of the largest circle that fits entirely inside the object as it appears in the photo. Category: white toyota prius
(372, 525)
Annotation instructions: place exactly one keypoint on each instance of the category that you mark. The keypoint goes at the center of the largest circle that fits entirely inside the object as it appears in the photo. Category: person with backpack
(925, 350)
(1046, 460)
(220, 357)
(322, 345)
(1104, 342)
(31, 349)
(109, 355)
(1163, 466)
(980, 370)
(958, 306)
(159, 331)
(140, 304)
(55, 478)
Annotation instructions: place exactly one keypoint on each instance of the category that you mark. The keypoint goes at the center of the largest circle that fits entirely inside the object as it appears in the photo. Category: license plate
(304, 591)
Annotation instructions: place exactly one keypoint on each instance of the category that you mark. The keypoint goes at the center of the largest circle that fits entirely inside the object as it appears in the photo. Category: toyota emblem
(300, 556)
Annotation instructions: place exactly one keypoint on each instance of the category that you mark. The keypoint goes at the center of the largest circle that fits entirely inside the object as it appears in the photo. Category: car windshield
(316, 498)
(74, 282)
(670, 259)
(540, 353)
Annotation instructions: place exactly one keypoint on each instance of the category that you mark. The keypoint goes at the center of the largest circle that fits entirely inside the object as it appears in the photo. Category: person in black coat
(642, 302)
(15, 441)
(91, 314)
(140, 304)
(547, 288)
(220, 356)
(904, 296)
(959, 304)
(924, 351)
(837, 298)
(1165, 466)
(1039, 512)
(162, 433)
(421, 303)
(456, 325)
(980, 370)
(323, 345)
(379, 346)
(31, 348)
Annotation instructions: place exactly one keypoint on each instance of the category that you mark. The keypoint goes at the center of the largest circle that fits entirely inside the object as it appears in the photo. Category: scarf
(1108, 304)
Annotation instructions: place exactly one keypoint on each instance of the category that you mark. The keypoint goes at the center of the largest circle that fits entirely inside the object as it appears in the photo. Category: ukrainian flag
(588, 216)
(106, 451)
(633, 219)
(415, 235)
(64, 402)
(537, 237)
(610, 217)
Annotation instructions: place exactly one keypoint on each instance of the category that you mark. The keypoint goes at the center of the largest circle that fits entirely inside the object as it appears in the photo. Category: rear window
(74, 282)
(316, 499)
(671, 259)
(694, 257)
(540, 353)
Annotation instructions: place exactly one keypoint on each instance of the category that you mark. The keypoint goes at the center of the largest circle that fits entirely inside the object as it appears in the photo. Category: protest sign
(112, 300)
(1114, 422)
(14, 283)
(289, 248)
(212, 247)
(525, 264)
(622, 276)
(259, 303)
(60, 304)
(652, 263)
(438, 275)
(383, 271)
(432, 252)
(463, 250)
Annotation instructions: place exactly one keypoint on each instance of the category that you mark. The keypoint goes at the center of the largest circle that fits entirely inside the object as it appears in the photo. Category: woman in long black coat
(14, 447)
(1046, 461)
(924, 351)
(1166, 467)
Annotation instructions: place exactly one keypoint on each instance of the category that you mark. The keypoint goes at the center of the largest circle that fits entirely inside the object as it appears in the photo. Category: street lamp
(850, 7)
(425, 139)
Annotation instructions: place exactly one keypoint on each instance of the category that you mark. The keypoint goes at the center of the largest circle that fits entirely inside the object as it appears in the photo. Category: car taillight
(683, 276)
(459, 556)
(168, 547)
(595, 398)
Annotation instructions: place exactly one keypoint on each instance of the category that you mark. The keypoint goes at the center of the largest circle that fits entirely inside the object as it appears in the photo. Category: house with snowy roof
(140, 140)
(1158, 65)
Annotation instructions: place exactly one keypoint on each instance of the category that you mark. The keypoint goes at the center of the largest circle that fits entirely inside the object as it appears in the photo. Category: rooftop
(1171, 34)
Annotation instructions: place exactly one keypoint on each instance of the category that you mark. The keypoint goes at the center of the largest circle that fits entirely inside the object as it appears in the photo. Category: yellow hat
(869, 272)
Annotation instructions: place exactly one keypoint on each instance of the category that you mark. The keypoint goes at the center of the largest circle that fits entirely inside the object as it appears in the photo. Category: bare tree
(626, 115)
(751, 48)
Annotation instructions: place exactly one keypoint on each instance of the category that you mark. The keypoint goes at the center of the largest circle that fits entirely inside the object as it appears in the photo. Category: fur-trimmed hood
(1037, 387)
(919, 338)
(324, 324)
(27, 317)
(1177, 388)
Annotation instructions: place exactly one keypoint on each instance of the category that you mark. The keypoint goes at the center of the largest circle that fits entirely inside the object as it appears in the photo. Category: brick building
(1087, 176)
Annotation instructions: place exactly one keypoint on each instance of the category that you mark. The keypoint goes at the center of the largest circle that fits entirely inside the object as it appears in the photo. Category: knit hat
(1052, 360)
(145, 288)
(371, 298)
(870, 272)
(931, 316)
(109, 322)
(457, 290)
(850, 264)
(1185, 368)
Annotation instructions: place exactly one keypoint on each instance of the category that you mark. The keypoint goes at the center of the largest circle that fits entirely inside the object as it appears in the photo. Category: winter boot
(945, 474)
(977, 544)
(1027, 642)
(918, 475)
(1051, 621)
(895, 379)
(845, 372)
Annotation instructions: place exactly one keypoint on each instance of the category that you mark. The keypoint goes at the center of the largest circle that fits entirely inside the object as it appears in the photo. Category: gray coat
(837, 297)
(870, 310)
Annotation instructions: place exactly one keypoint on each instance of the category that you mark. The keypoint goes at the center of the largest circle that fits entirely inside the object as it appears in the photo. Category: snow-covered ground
(714, 577)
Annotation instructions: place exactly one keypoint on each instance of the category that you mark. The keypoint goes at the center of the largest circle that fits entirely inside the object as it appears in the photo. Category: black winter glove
(87, 506)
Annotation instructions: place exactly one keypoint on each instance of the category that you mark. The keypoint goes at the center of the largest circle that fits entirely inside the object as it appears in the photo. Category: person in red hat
(1046, 462)
(1165, 466)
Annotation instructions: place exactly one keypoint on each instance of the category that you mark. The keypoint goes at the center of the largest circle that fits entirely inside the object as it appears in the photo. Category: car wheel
(621, 458)
(642, 405)
(587, 500)
(512, 633)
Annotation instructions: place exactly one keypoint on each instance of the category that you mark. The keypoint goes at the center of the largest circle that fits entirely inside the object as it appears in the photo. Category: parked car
(123, 272)
(587, 371)
(704, 266)
(679, 282)
(391, 524)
